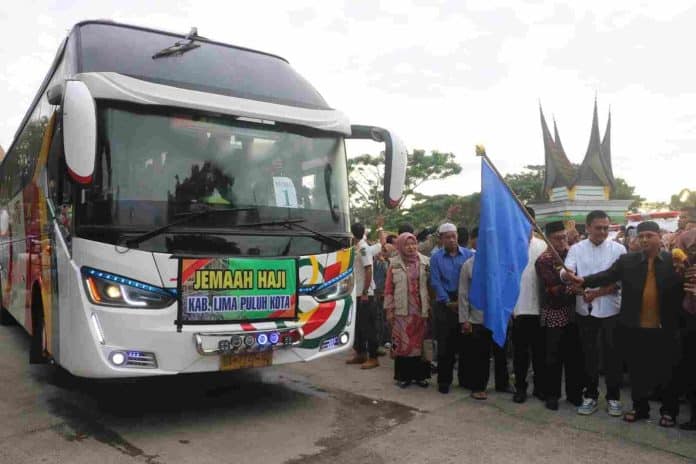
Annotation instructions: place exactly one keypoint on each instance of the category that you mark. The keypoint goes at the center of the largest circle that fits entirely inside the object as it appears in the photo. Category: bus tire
(5, 316)
(37, 352)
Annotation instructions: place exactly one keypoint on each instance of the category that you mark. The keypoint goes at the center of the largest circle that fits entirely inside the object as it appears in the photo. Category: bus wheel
(5, 316)
(37, 353)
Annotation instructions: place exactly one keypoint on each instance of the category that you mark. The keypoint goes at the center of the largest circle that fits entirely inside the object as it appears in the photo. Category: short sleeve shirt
(363, 258)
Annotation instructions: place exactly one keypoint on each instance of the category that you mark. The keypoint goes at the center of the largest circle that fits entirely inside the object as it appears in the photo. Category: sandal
(667, 421)
(480, 395)
(633, 416)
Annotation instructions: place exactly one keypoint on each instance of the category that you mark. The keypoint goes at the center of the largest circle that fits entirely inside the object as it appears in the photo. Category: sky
(445, 75)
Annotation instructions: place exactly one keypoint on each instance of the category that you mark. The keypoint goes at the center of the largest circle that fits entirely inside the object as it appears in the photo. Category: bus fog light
(344, 338)
(224, 346)
(117, 358)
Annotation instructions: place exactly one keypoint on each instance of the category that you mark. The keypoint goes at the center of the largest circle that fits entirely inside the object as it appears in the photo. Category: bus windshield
(153, 168)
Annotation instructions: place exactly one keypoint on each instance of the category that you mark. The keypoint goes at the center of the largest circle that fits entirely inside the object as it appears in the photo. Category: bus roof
(214, 67)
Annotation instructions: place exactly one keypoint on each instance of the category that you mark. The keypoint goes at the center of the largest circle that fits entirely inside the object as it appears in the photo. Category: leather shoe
(444, 389)
(357, 359)
(552, 404)
(371, 363)
(507, 389)
(519, 397)
(690, 425)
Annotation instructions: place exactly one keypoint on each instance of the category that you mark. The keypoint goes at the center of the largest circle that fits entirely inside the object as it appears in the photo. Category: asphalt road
(322, 412)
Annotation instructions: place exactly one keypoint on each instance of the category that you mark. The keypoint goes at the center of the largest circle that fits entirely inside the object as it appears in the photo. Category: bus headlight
(339, 290)
(106, 289)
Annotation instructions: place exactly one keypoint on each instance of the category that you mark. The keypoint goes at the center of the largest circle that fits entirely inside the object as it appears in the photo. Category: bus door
(19, 261)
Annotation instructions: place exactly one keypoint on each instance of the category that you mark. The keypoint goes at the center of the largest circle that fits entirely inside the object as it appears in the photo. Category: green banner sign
(237, 289)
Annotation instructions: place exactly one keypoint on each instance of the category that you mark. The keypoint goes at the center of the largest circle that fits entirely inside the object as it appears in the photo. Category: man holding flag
(502, 254)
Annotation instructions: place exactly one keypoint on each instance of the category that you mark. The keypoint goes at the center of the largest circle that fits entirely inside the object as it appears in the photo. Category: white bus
(171, 204)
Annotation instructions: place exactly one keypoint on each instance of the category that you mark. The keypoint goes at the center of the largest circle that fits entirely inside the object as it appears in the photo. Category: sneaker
(588, 407)
(381, 351)
(614, 408)
(371, 363)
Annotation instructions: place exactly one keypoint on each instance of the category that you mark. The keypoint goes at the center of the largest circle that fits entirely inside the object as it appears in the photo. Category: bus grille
(141, 359)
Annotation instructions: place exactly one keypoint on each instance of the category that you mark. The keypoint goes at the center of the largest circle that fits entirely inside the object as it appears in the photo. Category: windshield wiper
(290, 223)
(180, 47)
(130, 243)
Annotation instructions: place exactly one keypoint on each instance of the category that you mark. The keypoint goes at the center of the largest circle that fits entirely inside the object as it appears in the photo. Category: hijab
(401, 242)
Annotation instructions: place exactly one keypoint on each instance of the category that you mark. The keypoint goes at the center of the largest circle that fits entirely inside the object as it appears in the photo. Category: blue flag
(502, 253)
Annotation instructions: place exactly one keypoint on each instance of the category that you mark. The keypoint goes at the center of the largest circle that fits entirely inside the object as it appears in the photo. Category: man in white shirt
(597, 311)
(365, 343)
(527, 337)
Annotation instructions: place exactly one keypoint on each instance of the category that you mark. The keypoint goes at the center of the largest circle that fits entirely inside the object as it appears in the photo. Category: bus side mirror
(395, 160)
(79, 131)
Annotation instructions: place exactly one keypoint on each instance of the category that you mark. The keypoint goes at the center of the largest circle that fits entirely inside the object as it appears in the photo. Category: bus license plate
(231, 362)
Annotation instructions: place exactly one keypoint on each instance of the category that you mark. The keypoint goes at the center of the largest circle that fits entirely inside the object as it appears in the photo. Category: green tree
(623, 191)
(366, 182)
(684, 199)
(528, 185)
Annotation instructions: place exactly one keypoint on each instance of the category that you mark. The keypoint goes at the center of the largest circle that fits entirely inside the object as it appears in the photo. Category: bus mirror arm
(54, 95)
(395, 160)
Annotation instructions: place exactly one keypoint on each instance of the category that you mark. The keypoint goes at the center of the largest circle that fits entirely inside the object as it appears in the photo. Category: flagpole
(481, 151)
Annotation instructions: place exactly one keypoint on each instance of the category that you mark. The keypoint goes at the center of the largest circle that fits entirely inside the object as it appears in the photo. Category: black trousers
(500, 362)
(383, 326)
(475, 358)
(686, 370)
(411, 368)
(651, 355)
(448, 344)
(563, 353)
(590, 328)
(366, 328)
(527, 343)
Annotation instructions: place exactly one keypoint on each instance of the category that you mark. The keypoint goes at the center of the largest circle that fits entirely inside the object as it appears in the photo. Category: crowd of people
(588, 305)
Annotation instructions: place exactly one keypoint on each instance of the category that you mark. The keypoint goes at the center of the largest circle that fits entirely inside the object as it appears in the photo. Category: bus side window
(60, 188)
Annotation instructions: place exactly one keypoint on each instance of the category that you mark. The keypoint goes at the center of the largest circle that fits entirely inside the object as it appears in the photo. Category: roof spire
(593, 170)
(606, 151)
(559, 171)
